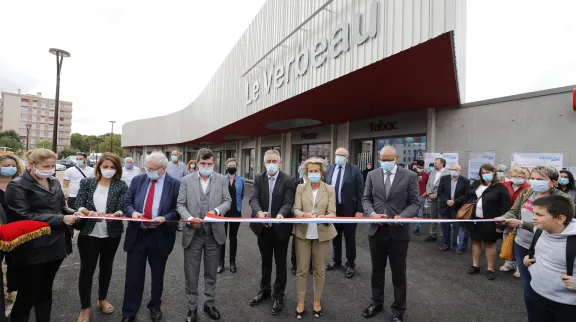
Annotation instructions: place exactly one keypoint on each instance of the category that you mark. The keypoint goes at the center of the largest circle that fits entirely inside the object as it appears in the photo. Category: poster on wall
(451, 158)
(476, 160)
(530, 160)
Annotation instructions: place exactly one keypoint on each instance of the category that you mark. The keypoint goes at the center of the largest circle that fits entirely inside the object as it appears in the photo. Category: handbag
(507, 249)
(467, 211)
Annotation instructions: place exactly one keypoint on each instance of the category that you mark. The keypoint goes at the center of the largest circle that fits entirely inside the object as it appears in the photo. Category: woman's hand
(69, 219)
(309, 214)
(513, 223)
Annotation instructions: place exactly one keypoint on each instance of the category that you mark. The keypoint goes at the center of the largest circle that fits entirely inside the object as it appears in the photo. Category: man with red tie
(151, 196)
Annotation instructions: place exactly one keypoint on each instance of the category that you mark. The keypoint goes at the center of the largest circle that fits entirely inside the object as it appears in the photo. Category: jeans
(421, 212)
(519, 253)
(459, 235)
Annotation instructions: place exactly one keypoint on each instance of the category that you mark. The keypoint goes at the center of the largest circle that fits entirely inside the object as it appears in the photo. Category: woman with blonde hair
(37, 195)
(191, 166)
(314, 199)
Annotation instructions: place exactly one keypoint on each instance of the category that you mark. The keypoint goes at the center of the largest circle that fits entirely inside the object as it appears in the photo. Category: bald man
(452, 194)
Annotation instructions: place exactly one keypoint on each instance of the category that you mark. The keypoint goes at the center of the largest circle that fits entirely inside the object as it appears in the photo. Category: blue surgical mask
(129, 166)
(500, 174)
(79, 163)
(387, 165)
(206, 171)
(454, 174)
(340, 160)
(8, 171)
(314, 177)
(174, 158)
(271, 168)
(488, 177)
(430, 169)
(539, 186)
(563, 181)
(153, 175)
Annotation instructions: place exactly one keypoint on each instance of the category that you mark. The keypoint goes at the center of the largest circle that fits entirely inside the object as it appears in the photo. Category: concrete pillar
(431, 131)
(287, 152)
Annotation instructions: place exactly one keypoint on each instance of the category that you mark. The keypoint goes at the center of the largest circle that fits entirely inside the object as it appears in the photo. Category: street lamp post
(28, 126)
(112, 135)
(60, 54)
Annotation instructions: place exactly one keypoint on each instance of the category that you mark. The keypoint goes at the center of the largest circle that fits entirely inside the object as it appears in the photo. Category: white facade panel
(400, 25)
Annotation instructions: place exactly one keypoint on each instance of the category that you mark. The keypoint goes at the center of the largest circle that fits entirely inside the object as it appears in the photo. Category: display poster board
(451, 158)
(476, 160)
(530, 160)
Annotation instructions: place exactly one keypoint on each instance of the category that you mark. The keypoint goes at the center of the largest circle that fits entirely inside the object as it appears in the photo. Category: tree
(46, 144)
(66, 152)
(77, 141)
(11, 139)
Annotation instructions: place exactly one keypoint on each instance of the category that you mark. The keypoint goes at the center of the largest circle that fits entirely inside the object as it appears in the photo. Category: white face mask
(517, 181)
(44, 174)
(108, 173)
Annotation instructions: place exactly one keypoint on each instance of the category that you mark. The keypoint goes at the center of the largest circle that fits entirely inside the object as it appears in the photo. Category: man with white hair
(151, 196)
(129, 171)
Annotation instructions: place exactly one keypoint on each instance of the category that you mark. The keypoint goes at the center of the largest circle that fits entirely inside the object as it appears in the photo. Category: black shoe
(473, 270)
(350, 272)
(490, 275)
(416, 232)
(212, 312)
(277, 306)
(332, 266)
(128, 320)
(293, 270)
(220, 268)
(299, 315)
(192, 316)
(397, 318)
(430, 238)
(156, 314)
(372, 310)
(259, 298)
(233, 267)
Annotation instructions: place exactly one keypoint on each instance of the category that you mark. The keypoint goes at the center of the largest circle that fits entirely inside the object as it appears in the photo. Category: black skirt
(485, 231)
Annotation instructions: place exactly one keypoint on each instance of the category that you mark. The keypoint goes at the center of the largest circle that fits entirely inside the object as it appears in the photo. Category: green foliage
(97, 143)
(46, 144)
(11, 139)
(66, 152)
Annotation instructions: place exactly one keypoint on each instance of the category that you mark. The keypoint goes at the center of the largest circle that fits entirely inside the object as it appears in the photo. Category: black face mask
(231, 170)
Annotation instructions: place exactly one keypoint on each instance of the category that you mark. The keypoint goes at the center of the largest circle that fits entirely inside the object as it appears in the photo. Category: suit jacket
(325, 205)
(402, 201)
(431, 186)
(352, 189)
(189, 204)
(134, 202)
(115, 202)
(282, 202)
(445, 190)
(495, 199)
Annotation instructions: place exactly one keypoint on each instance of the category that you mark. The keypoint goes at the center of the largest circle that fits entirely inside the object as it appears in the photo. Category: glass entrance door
(305, 151)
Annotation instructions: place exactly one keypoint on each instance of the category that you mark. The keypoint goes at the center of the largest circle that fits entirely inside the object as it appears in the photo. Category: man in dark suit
(349, 186)
(151, 196)
(390, 193)
(272, 197)
(369, 167)
(452, 194)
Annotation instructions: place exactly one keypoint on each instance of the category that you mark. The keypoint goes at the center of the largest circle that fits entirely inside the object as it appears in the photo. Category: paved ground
(438, 289)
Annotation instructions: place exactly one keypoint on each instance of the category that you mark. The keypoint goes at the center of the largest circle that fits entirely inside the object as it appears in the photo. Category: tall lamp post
(60, 54)
(28, 126)
(112, 135)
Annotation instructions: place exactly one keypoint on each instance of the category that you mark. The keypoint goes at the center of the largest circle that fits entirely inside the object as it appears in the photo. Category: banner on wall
(476, 160)
(451, 158)
(530, 160)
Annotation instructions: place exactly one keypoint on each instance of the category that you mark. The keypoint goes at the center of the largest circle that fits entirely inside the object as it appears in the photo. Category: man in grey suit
(391, 192)
(432, 193)
(202, 192)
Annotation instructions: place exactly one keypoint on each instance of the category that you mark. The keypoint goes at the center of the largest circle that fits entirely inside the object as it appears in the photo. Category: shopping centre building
(310, 76)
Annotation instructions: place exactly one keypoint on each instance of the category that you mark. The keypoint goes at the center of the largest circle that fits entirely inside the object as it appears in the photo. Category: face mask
(488, 177)
(206, 171)
(192, 166)
(436, 167)
(174, 158)
(369, 167)
(271, 168)
(231, 170)
(129, 166)
(80, 163)
(108, 173)
(8, 171)
(517, 181)
(430, 169)
(340, 160)
(419, 169)
(387, 165)
(314, 177)
(539, 186)
(153, 175)
(500, 174)
(44, 174)
(564, 181)
(454, 174)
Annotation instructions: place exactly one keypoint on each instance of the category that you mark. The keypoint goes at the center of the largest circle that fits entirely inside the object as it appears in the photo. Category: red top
(422, 180)
(518, 192)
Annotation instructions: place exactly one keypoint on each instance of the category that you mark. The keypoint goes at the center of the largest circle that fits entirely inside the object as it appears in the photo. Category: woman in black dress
(493, 201)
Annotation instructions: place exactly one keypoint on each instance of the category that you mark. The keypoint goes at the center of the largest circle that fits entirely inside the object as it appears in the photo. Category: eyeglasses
(341, 155)
(151, 169)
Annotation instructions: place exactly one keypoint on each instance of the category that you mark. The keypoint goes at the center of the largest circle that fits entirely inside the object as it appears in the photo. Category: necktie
(387, 184)
(270, 191)
(149, 202)
(337, 186)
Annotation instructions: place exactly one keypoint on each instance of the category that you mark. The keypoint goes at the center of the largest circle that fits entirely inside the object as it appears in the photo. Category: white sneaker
(507, 267)
(517, 273)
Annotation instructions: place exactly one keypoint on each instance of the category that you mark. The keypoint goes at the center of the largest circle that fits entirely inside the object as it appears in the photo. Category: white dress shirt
(392, 174)
(312, 230)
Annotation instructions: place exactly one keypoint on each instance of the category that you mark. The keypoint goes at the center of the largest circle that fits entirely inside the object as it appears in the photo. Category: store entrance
(305, 151)
(408, 148)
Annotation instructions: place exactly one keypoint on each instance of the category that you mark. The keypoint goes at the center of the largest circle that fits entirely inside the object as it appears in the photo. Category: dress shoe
(444, 249)
(233, 267)
(155, 314)
(220, 268)
(459, 252)
(332, 266)
(212, 312)
(397, 318)
(430, 238)
(473, 270)
(259, 298)
(293, 270)
(372, 310)
(128, 320)
(350, 272)
(192, 316)
(277, 306)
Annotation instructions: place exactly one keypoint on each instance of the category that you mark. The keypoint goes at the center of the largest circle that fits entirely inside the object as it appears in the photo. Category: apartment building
(19, 111)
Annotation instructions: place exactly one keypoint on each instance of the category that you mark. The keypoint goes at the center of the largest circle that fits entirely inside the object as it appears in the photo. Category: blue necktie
(337, 186)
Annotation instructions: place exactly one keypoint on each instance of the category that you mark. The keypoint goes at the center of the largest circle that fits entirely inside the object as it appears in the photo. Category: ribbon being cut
(302, 220)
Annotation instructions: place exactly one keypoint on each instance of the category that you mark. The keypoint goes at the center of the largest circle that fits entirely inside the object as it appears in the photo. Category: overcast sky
(138, 59)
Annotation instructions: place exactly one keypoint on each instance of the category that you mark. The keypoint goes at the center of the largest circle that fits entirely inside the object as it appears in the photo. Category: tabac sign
(322, 49)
